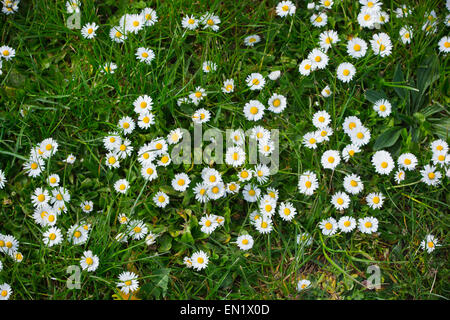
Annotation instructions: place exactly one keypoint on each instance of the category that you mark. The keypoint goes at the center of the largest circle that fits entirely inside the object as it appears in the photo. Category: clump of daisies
(133, 24)
(321, 120)
(346, 224)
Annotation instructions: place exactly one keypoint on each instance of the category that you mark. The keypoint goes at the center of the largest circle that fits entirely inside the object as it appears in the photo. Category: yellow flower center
(229, 87)
(330, 159)
(308, 184)
(253, 110)
(441, 157)
(161, 198)
(164, 159)
(6, 53)
(407, 35)
(144, 54)
(376, 200)
(430, 244)
(244, 174)
(137, 229)
(367, 17)
(159, 146)
(136, 23)
(245, 242)
(90, 30)
(347, 224)
(112, 160)
(191, 21)
(148, 16)
(431, 175)
(383, 107)
(328, 226)
(181, 182)
(51, 218)
(312, 141)
(210, 22)
(384, 164)
(318, 58)
(89, 261)
(353, 183)
(118, 34)
(360, 135)
(264, 225)
(287, 211)
(128, 283)
(251, 192)
(357, 47)
(4, 293)
(255, 82)
(34, 166)
(368, 224)
(319, 19)
(232, 187)
(41, 198)
(122, 187)
(126, 125)
(149, 171)
(52, 180)
(276, 102)
(52, 236)
(340, 201)
(215, 190)
(285, 8)
(77, 234)
(346, 72)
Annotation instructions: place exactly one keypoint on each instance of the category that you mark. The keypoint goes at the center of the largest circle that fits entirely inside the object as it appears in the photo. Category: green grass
(55, 77)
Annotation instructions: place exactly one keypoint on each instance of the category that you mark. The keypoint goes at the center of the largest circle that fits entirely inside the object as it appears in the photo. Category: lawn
(55, 91)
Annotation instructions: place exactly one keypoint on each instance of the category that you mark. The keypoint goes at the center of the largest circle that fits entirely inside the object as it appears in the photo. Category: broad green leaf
(387, 138)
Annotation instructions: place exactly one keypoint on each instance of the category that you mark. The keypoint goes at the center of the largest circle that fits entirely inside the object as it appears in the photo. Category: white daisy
(87, 206)
(277, 103)
(245, 242)
(287, 211)
(305, 67)
(199, 260)
(430, 175)
(136, 229)
(318, 59)
(381, 44)
(251, 40)
(308, 183)
(356, 48)
(327, 39)
(210, 21)
(407, 161)
(228, 86)
(406, 34)
(347, 224)
(383, 162)
(128, 282)
(200, 192)
(303, 284)
(349, 151)
(127, 125)
(161, 199)
(285, 8)
(149, 16)
(319, 20)
(254, 110)
(353, 184)
(311, 139)
(52, 236)
(375, 200)
(429, 243)
(368, 225)
(208, 224)
(340, 200)
(383, 107)
(190, 22)
(121, 186)
(235, 156)
(89, 261)
(328, 226)
(360, 136)
(444, 45)
(345, 72)
(400, 175)
(88, 30)
(330, 159)
(209, 66)
(251, 193)
(181, 182)
(255, 81)
(274, 75)
(52, 180)
(321, 119)
(145, 55)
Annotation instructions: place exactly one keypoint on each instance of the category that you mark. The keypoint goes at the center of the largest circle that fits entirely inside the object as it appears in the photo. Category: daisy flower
(127, 125)
(360, 136)
(439, 146)
(52, 180)
(321, 119)
(308, 183)
(122, 218)
(112, 160)
(367, 18)
(381, 44)
(208, 224)
(40, 197)
(304, 239)
(88, 30)
(133, 22)
(375, 200)
(49, 147)
(347, 224)
(210, 21)
(328, 226)
(145, 120)
(443, 45)
(251, 193)
(209, 66)
(407, 161)
(2, 179)
(305, 67)
(327, 39)
(383, 162)
(232, 188)
(161, 199)
(187, 262)
(277, 103)
(197, 95)
(77, 235)
(349, 151)
(286, 211)
(304, 284)
(117, 34)
(211, 176)
(199, 260)
(137, 229)
(402, 11)
(71, 159)
(406, 34)
(245, 175)
(260, 133)
(356, 48)
(274, 75)
(399, 176)
(73, 6)
(429, 243)
(87, 206)
(340, 200)
(52, 237)
(250, 41)
(228, 86)
(181, 182)
(285, 8)
(383, 107)
(430, 175)
(439, 158)
(112, 142)
(235, 156)
(121, 186)
(330, 159)
(5, 291)
(200, 192)
(149, 16)
(266, 147)
(108, 67)
(262, 173)
(350, 124)
(60, 196)
(124, 150)
(254, 110)
(345, 72)
(128, 282)
(8, 244)
(255, 81)
(368, 225)
(89, 261)
(150, 238)
(245, 242)
(311, 139)
(145, 55)
(216, 191)
(237, 137)
(189, 22)
(318, 59)
(264, 225)
(353, 184)
(326, 92)
(319, 20)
